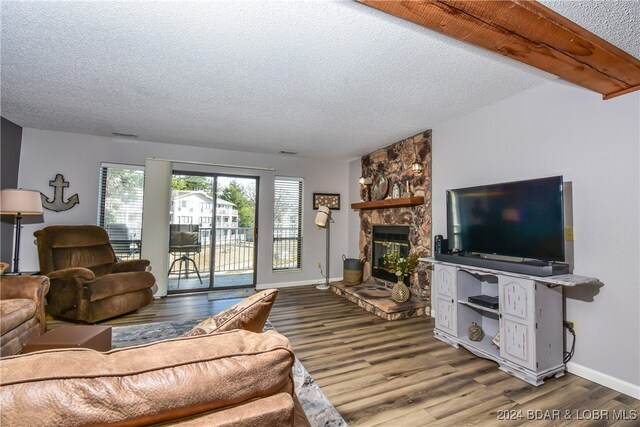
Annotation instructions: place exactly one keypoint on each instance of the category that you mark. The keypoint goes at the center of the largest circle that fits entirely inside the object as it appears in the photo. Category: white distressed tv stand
(529, 317)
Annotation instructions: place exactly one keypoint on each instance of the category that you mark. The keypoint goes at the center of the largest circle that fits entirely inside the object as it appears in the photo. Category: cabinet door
(446, 295)
(517, 320)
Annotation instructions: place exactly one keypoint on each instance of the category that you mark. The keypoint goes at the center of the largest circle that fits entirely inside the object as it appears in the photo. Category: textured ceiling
(324, 79)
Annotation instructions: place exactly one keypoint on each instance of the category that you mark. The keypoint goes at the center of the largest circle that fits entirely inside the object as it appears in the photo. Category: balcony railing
(234, 249)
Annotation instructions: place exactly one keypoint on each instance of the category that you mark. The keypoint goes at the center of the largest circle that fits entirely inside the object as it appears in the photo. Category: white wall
(78, 157)
(559, 129)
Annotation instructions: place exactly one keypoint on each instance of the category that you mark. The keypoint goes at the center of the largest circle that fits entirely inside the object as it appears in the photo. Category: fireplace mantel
(389, 203)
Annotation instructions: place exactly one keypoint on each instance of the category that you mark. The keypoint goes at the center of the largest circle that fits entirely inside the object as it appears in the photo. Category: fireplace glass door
(388, 238)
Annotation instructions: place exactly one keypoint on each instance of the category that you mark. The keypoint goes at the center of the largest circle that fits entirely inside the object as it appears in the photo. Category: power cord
(323, 275)
(569, 354)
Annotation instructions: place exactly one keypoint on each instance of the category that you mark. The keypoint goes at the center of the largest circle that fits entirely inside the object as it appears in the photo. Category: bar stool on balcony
(184, 243)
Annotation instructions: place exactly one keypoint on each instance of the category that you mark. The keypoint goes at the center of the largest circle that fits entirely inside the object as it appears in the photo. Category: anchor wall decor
(57, 204)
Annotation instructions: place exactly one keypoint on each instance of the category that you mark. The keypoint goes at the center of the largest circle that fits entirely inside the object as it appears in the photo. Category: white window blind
(287, 223)
(120, 210)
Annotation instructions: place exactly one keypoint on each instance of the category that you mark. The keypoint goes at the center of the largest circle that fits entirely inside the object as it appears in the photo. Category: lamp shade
(19, 201)
(322, 217)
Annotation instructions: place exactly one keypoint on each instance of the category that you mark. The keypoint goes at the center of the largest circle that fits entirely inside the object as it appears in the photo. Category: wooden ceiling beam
(529, 32)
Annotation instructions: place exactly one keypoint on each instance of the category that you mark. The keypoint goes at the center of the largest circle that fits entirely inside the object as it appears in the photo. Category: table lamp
(19, 202)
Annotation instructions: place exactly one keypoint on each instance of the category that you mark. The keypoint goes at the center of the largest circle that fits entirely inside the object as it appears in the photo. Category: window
(120, 207)
(287, 223)
(184, 220)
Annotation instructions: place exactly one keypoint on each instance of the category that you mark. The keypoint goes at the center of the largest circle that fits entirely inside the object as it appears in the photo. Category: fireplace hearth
(388, 238)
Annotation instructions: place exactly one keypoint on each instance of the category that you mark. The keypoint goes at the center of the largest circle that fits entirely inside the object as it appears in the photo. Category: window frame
(276, 263)
(134, 250)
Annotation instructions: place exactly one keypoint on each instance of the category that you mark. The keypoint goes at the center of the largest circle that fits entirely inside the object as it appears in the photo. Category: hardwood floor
(395, 373)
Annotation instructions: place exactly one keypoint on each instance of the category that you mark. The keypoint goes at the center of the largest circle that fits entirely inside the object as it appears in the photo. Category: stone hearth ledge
(376, 299)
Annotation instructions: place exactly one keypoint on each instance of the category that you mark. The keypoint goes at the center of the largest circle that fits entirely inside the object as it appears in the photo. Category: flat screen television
(521, 219)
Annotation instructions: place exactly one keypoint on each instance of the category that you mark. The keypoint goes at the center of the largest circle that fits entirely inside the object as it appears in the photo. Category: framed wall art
(330, 200)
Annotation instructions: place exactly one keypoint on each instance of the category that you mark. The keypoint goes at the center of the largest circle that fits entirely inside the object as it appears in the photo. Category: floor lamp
(19, 202)
(324, 220)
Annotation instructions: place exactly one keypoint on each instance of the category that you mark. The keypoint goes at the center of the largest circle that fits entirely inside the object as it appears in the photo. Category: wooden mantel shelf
(389, 203)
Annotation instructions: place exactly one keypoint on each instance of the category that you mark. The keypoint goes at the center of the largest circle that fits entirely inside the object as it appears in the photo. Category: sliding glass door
(213, 229)
(235, 252)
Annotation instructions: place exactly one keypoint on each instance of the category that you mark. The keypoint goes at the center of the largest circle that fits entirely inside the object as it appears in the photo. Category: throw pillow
(249, 314)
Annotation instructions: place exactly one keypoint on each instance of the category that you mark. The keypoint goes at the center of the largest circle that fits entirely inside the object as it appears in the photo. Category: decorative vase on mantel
(400, 291)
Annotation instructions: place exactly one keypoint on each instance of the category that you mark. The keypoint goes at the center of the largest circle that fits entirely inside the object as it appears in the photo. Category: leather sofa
(22, 313)
(88, 283)
(234, 378)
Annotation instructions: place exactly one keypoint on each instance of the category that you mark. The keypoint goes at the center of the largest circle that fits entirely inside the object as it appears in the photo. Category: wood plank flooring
(395, 373)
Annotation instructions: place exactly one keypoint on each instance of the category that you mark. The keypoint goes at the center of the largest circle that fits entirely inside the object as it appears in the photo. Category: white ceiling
(324, 79)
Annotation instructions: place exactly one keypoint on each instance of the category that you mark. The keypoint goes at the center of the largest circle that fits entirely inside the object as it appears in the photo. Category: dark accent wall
(394, 162)
(10, 144)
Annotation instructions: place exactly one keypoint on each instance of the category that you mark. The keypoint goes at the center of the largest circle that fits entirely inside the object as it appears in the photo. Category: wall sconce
(417, 166)
(367, 184)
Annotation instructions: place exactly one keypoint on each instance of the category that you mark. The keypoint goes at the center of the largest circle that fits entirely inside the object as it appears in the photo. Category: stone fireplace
(394, 162)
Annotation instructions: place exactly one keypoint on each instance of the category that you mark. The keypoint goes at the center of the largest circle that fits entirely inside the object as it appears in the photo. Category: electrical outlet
(319, 264)
(570, 324)
(568, 234)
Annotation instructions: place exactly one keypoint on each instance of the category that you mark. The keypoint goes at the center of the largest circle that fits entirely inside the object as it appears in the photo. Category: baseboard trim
(614, 383)
(296, 283)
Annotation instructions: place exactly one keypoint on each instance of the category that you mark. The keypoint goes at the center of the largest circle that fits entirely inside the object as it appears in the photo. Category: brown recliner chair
(88, 284)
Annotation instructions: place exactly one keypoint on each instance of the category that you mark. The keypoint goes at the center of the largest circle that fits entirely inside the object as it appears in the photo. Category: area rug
(317, 407)
(230, 294)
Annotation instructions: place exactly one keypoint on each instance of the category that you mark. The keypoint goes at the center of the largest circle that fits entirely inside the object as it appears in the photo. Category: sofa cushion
(151, 383)
(276, 410)
(14, 312)
(249, 314)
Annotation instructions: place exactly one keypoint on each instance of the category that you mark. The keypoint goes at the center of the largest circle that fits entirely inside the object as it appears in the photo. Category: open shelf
(479, 307)
(485, 345)
(389, 203)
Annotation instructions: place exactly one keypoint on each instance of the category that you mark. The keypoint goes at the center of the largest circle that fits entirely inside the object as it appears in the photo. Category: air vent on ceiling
(289, 153)
(124, 135)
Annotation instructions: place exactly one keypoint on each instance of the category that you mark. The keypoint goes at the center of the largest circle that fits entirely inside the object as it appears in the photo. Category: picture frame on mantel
(330, 200)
